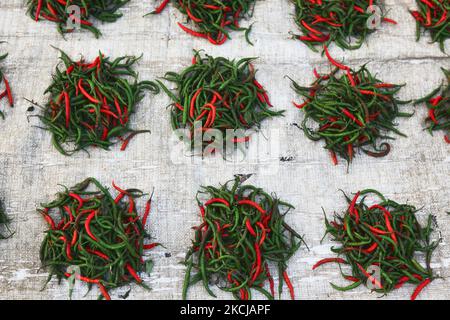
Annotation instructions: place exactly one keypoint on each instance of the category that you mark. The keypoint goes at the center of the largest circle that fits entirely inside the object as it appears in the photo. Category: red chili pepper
(133, 273)
(375, 230)
(127, 141)
(98, 253)
(147, 211)
(190, 15)
(311, 29)
(368, 92)
(271, 282)
(419, 288)
(74, 238)
(87, 226)
(405, 279)
(351, 78)
(217, 200)
(334, 157)
(447, 139)
(429, 4)
(384, 85)
(391, 21)
(442, 19)
(328, 260)
(371, 248)
(359, 9)
(435, 101)
(70, 69)
(78, 198)
(68, 251)
(350, 278)
(258, 263)
(377, 206)
(82, 278)
(351, 208)
(432, 116)
(253, 204)
(192, 104)
(211, 116)
(49, 219)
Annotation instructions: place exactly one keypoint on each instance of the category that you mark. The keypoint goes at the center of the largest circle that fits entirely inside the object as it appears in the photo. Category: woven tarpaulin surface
(416, 171)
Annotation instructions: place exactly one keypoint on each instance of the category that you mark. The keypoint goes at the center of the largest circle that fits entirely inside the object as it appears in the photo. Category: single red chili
(328, 260)
(419, 288)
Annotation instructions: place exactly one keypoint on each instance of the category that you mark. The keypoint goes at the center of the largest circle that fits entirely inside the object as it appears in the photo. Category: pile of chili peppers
(385, 236)
(243, 230)
(212, 18)
(91, 102)
(352, 110)
(6, 92)
(219, 94)
(4, 220)
(100, 235)
(438, 104)
(61, 12)
(346, 23)
(433, 16)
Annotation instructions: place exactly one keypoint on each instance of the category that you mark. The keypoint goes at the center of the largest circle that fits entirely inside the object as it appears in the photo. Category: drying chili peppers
(433, 16)
(5, 93)
(101, 236)
(218, 94)
(346, 23)
(380, 243)
(242, 233)
(4, 221)
(213, 19)
(438, 104)
(352, 110)
(91, 102)
(69, 14)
